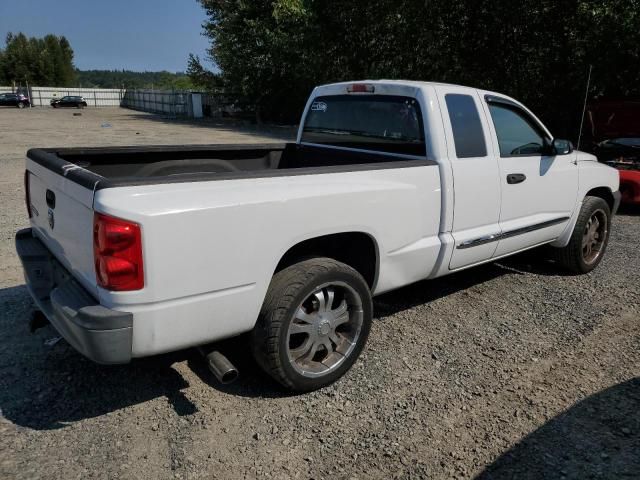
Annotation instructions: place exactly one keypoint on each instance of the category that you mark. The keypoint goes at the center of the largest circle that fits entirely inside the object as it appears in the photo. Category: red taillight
(361, 88)
(117, 253)
(27, 196)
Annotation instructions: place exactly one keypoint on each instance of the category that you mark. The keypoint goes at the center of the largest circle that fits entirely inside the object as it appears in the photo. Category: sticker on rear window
(319, 107)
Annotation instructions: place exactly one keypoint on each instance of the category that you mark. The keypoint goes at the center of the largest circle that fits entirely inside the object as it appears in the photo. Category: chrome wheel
(325, 329)
(594, 236)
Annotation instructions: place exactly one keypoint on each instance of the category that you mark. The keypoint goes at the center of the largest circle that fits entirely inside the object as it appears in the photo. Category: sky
(136, 35)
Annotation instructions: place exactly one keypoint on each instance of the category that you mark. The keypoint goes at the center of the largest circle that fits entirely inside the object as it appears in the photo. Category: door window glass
(516, 135)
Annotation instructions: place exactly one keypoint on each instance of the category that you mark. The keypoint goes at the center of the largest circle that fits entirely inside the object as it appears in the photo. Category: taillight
(117, 253)
(27, 195)
(361, 88)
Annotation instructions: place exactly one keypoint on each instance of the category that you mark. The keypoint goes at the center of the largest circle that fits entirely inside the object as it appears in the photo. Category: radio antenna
(584, 106)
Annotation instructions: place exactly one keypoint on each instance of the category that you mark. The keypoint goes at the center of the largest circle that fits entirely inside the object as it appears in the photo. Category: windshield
(385, 123)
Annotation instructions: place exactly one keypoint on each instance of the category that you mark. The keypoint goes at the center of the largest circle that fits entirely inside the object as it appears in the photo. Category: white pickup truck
(141, 250)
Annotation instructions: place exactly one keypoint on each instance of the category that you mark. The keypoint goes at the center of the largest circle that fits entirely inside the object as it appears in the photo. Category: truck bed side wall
(211, 251)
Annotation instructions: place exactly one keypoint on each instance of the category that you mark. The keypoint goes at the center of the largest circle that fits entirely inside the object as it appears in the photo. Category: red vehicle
(613, 127)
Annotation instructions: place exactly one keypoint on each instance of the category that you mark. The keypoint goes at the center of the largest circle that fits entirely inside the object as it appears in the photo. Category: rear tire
(313, 324)
(589, 239)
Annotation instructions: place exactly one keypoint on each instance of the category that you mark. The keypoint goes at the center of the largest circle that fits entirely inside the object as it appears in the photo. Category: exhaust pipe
(220, 366)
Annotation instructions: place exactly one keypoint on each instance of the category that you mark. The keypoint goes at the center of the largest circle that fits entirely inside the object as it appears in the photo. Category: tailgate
(62, 217)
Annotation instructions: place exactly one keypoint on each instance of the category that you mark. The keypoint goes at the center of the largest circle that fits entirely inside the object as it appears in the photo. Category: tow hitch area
(37, 321)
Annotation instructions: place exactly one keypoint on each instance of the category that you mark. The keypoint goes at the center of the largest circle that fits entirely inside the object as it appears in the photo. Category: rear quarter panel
(211, 248)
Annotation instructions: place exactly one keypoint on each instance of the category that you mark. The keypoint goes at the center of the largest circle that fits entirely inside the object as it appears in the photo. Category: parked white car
(141, 250)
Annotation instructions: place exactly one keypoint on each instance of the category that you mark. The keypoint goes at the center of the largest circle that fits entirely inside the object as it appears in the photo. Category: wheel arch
(359, 250)
(604, 193)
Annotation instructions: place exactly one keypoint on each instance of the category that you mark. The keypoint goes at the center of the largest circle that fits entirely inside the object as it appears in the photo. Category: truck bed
(98, 168)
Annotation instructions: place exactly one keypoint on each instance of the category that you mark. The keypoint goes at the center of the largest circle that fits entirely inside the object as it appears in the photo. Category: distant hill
(118, 78)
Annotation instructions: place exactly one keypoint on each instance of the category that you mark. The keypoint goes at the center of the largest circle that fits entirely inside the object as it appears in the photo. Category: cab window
(466, 126)
(517, 135)
(383, 123)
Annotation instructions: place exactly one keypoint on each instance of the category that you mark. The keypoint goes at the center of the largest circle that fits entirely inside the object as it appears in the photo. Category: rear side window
(467, 128)
(383, 123)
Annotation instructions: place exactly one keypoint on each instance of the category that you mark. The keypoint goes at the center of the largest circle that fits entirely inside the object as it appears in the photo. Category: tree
(256, 45)
(129, 79)
(274, 51)
(200, 76)
(47, 61)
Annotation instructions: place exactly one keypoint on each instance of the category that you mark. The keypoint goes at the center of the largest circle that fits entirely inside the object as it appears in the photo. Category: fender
(591, 175)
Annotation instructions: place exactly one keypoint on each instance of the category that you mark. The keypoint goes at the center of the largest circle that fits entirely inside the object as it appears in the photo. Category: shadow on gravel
(529, 262)
(429, 290)
(629, 210)
(598, 437)
(45, 388)
(534, 261)
(252, 383)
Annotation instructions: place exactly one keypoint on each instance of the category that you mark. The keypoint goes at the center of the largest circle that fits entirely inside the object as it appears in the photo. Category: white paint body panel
(210, 248)
(71, 239)
(209, 254)
(476, 185)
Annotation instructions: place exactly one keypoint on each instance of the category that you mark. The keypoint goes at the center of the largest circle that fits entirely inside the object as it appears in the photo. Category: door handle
(51, 198)
(514, 178)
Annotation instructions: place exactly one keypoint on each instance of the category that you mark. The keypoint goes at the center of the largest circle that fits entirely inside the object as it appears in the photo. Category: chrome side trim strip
(479, 241)
(511, 233)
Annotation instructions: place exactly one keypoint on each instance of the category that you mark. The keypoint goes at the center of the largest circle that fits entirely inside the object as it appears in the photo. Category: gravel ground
(511, 370)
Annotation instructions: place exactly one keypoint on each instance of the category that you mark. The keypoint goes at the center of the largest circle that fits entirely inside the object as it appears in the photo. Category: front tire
(21, 105)
(313, 324)
(589, 239)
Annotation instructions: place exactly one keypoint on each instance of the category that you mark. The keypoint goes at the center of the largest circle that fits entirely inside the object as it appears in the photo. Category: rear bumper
(100, 334)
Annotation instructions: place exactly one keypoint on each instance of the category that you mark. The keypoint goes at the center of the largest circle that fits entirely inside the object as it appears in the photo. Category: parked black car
(69, 101)
(14, 100)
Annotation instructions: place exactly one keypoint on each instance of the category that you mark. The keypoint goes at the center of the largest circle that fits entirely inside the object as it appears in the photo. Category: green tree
(45, 62)
(200, 76)
(272, 52)
(129, 79)
(256, 45)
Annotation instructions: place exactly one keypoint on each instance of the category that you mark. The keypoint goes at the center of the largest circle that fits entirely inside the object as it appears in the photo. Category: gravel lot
(511, 370)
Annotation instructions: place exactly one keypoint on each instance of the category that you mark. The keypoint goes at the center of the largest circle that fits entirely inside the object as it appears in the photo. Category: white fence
(168, 102)
(95, 97)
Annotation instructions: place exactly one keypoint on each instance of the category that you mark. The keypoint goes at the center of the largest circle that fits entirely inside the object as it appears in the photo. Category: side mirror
(562, 147)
